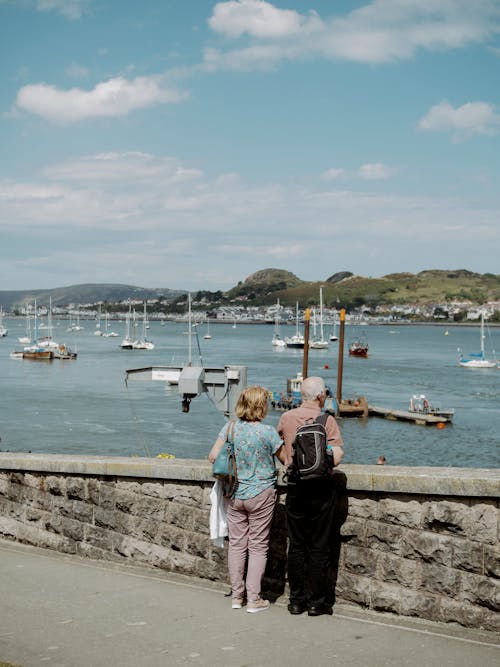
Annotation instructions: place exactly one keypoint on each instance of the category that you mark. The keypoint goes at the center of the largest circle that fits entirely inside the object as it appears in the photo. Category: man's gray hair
(311, 388)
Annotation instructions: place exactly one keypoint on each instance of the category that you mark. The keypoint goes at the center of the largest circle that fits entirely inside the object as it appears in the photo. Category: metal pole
(341, 357)
(307, 317)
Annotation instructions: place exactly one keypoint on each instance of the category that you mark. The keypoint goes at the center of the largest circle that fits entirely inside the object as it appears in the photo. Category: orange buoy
(441, 425)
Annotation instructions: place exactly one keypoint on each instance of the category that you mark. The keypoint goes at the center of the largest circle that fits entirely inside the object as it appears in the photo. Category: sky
(187, 144)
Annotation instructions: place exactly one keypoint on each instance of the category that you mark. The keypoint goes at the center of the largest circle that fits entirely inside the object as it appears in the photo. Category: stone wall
(414, 541)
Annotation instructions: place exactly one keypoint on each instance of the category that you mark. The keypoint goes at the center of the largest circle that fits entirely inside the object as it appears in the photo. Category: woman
(250, 511)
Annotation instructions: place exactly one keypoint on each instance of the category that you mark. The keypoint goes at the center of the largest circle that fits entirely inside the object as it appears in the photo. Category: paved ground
(65, 611)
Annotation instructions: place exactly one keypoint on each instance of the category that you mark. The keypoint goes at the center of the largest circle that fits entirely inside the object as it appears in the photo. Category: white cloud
(258, 19)
(381, 31)
(115, 97)
(76, 71)
(332, 174)
(70, 9)
(375, 171)
(469, 119)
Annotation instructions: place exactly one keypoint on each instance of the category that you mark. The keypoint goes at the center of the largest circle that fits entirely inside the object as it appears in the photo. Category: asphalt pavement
(66, 611)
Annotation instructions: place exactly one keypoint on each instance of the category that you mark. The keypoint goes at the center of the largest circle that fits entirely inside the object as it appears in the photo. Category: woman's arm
(218, 445)
(281, 454)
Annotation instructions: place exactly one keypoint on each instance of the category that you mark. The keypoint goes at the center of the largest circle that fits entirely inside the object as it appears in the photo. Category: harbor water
(84, 407)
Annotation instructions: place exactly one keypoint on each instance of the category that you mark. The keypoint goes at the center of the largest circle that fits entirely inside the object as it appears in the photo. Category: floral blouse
(255, 445)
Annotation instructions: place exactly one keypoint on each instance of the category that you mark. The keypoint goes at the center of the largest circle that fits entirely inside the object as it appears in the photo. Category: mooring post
(340, 366)
(307, 316)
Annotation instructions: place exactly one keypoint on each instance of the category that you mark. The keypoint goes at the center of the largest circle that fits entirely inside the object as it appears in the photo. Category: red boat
(358, 348)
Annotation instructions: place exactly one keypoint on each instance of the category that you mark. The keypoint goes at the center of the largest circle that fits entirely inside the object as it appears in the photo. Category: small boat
(319, 343)
(333, 335)
(358, 348)
(208, 336)
(3, 330)
(419, 405)
(478, 359)
(127, 341)
(297, 340)
(277, 340)
(143, 343)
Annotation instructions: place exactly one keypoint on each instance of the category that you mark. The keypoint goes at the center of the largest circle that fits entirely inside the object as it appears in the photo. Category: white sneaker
(237, 603)
(253, 606)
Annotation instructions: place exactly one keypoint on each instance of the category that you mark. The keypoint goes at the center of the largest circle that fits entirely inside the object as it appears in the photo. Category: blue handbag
(224, 466)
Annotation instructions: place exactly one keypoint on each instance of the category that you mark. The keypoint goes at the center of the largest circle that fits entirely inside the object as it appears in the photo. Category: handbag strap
(232, 471)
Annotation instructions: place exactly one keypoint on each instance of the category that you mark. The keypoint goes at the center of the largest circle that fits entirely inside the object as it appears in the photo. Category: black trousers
(310, 509)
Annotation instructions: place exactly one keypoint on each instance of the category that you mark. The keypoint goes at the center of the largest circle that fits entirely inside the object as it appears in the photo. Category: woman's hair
(252, 404)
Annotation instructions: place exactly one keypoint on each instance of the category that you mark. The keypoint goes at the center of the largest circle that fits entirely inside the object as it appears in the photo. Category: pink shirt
(291, 420)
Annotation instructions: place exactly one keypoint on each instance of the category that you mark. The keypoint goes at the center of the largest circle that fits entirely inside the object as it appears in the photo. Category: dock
(406, 415)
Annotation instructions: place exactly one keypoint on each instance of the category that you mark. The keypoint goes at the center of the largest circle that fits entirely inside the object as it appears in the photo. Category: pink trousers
(249, 524)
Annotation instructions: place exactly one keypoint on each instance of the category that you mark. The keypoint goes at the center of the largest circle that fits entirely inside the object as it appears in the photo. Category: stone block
(4, 485)
(93, 489)
(440, 580)
(468, 615)
(484, 522)
(105, 518)
(98, 537)
(492, 561)
(351, 588)
(172, 537)
(420, 604)
(354, 531)
(447, 516)
(107, 495)
(201, 521)
(359, 560)
(83, 511)
(90, 551)
(76, 488)
(362, 507)
(467, 555)
(430, 547)
(197, 545)
(490, 621)
(384, 537)
(397, 570)
(385, 597)
(403, 511)
(179, 515)
(55, 485)
(482, 591)
(125, 501)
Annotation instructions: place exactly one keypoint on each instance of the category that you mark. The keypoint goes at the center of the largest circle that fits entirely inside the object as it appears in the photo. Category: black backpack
(310, 459)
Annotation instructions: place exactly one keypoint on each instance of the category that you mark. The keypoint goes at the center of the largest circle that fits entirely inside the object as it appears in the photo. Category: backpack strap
(322, 419)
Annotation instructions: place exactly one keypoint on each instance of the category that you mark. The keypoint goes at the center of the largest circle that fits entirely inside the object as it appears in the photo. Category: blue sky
(179, 144)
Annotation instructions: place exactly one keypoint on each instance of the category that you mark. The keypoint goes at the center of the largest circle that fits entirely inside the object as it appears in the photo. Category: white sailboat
(26, 339)
(208, 336)
(3, 330)
(333, 335)
(143, 343)
(297, 340)
(478, 359)
(319, 343)
(98, 331)
(127, 341)
(107, 333)
(277, 339)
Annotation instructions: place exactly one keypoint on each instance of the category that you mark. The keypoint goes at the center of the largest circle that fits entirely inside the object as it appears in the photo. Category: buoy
(326, 366)
(441, 425)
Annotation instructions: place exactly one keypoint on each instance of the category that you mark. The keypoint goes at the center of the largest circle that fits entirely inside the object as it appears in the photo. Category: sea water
(84, 406)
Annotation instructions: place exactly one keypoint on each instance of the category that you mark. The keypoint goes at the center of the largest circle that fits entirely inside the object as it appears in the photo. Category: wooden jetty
(406, 415)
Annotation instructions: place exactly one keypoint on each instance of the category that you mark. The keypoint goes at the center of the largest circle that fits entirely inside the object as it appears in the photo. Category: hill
(341, 289)
(82, 294)
(344, 289)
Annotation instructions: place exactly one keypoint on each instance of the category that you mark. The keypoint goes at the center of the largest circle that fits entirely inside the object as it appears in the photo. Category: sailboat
(3, 330)
(98, 331)
(208, 336)
(333, 335)
(127, 341)
(477, 359)
(319, 343)
(26, 340)
(297, 340)
(107, 333)
(143, 343)
(277, 339)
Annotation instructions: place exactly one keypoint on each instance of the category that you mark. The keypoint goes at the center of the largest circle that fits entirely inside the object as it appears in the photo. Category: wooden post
(307, 317)
(341, 357)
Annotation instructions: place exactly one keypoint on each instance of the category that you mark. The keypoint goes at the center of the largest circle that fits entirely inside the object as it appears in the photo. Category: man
(309, 508)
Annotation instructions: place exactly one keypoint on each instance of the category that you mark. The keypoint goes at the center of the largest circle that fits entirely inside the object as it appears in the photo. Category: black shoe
(319, 610)
(296, 608)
